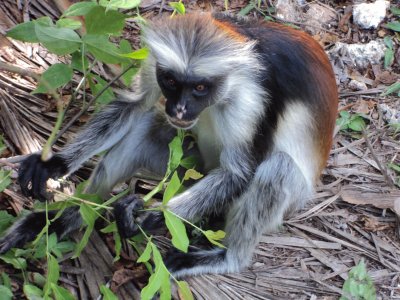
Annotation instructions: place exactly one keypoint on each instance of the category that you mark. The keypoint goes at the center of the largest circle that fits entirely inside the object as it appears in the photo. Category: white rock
(357, 85)
(369, 15)
(360, 55)
(318, 17)
(390, 115)
(287, 10)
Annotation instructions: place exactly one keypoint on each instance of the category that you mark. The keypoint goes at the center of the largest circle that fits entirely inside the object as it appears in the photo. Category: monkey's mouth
(182, 124)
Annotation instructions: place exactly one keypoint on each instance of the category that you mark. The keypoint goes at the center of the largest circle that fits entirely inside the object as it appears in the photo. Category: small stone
(319, 17)
(381, 33)
(390, 115)
(287, 10)
(357, 85)
(370, 15)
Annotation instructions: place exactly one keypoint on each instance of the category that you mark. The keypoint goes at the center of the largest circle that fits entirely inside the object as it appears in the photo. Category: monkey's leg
(277, 185)
(27, 228)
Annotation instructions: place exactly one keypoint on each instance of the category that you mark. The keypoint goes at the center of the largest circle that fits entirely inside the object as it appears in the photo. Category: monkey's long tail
(26, 229)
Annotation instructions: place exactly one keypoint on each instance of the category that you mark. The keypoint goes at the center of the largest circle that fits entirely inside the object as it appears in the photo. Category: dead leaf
(372, 224)
(362, 107)
(386, 77)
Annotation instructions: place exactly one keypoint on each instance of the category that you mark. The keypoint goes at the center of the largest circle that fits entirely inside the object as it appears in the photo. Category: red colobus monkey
(261, 99)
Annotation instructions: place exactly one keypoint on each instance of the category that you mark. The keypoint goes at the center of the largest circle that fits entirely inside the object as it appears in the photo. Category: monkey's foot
(197, 262)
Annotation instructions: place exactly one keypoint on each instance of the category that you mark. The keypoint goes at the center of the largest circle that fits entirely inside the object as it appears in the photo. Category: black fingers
(125, 212)
(153, 221)
(34, 173)
(25, 174)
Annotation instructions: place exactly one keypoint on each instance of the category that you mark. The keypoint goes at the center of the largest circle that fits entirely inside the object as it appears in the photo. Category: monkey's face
(187, 96)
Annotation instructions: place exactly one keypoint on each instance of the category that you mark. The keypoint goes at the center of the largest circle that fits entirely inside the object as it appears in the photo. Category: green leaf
(54, 77)
(178, 6)
(389, 58)
(394, 167)
(165, 289)
(395, 87)
(5, 179)
(112, 227)
(18, 263)
(189, 162)
(61, 293)
(395, 10)
(395, 26)
(192, 174)
(139, 54)
(184, 290)
(178, 231)
(32, 292)
(108, 94)
(127, 78)
(40, 248)
(388, 42)
(246, 10)
(357, 124)
(2, 145)
(77, 63)
(5, 293)
(80, 8)
(5, 220)
(176, 153)
(102, 49)
(98, 21)
(6, 280)
(359, 284)
(145, 256)
(24, 32)
(60, 41)
(107, 293)
(69, 23)
(65, 247)
(89, 216)
(122, 4)
(118, 246)
(53, 270)
(157, 278)
(172, 188)
(213, 237)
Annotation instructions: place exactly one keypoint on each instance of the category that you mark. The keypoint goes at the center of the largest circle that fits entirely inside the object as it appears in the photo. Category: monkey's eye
(200, 90)
(200, 87)
(170, 81)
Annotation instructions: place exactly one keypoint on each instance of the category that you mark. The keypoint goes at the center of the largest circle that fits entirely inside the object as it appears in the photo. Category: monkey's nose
(180, 110)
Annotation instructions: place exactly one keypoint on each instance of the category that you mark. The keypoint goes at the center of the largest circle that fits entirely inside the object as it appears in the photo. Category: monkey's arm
(216, 190)
(210, 195)
(106, 129)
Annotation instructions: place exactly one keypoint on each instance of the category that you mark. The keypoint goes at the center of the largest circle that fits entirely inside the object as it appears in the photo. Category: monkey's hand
(129, 215)
(34, 173)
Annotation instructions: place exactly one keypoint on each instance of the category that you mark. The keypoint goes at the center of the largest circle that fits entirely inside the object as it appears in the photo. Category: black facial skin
(187, 96)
